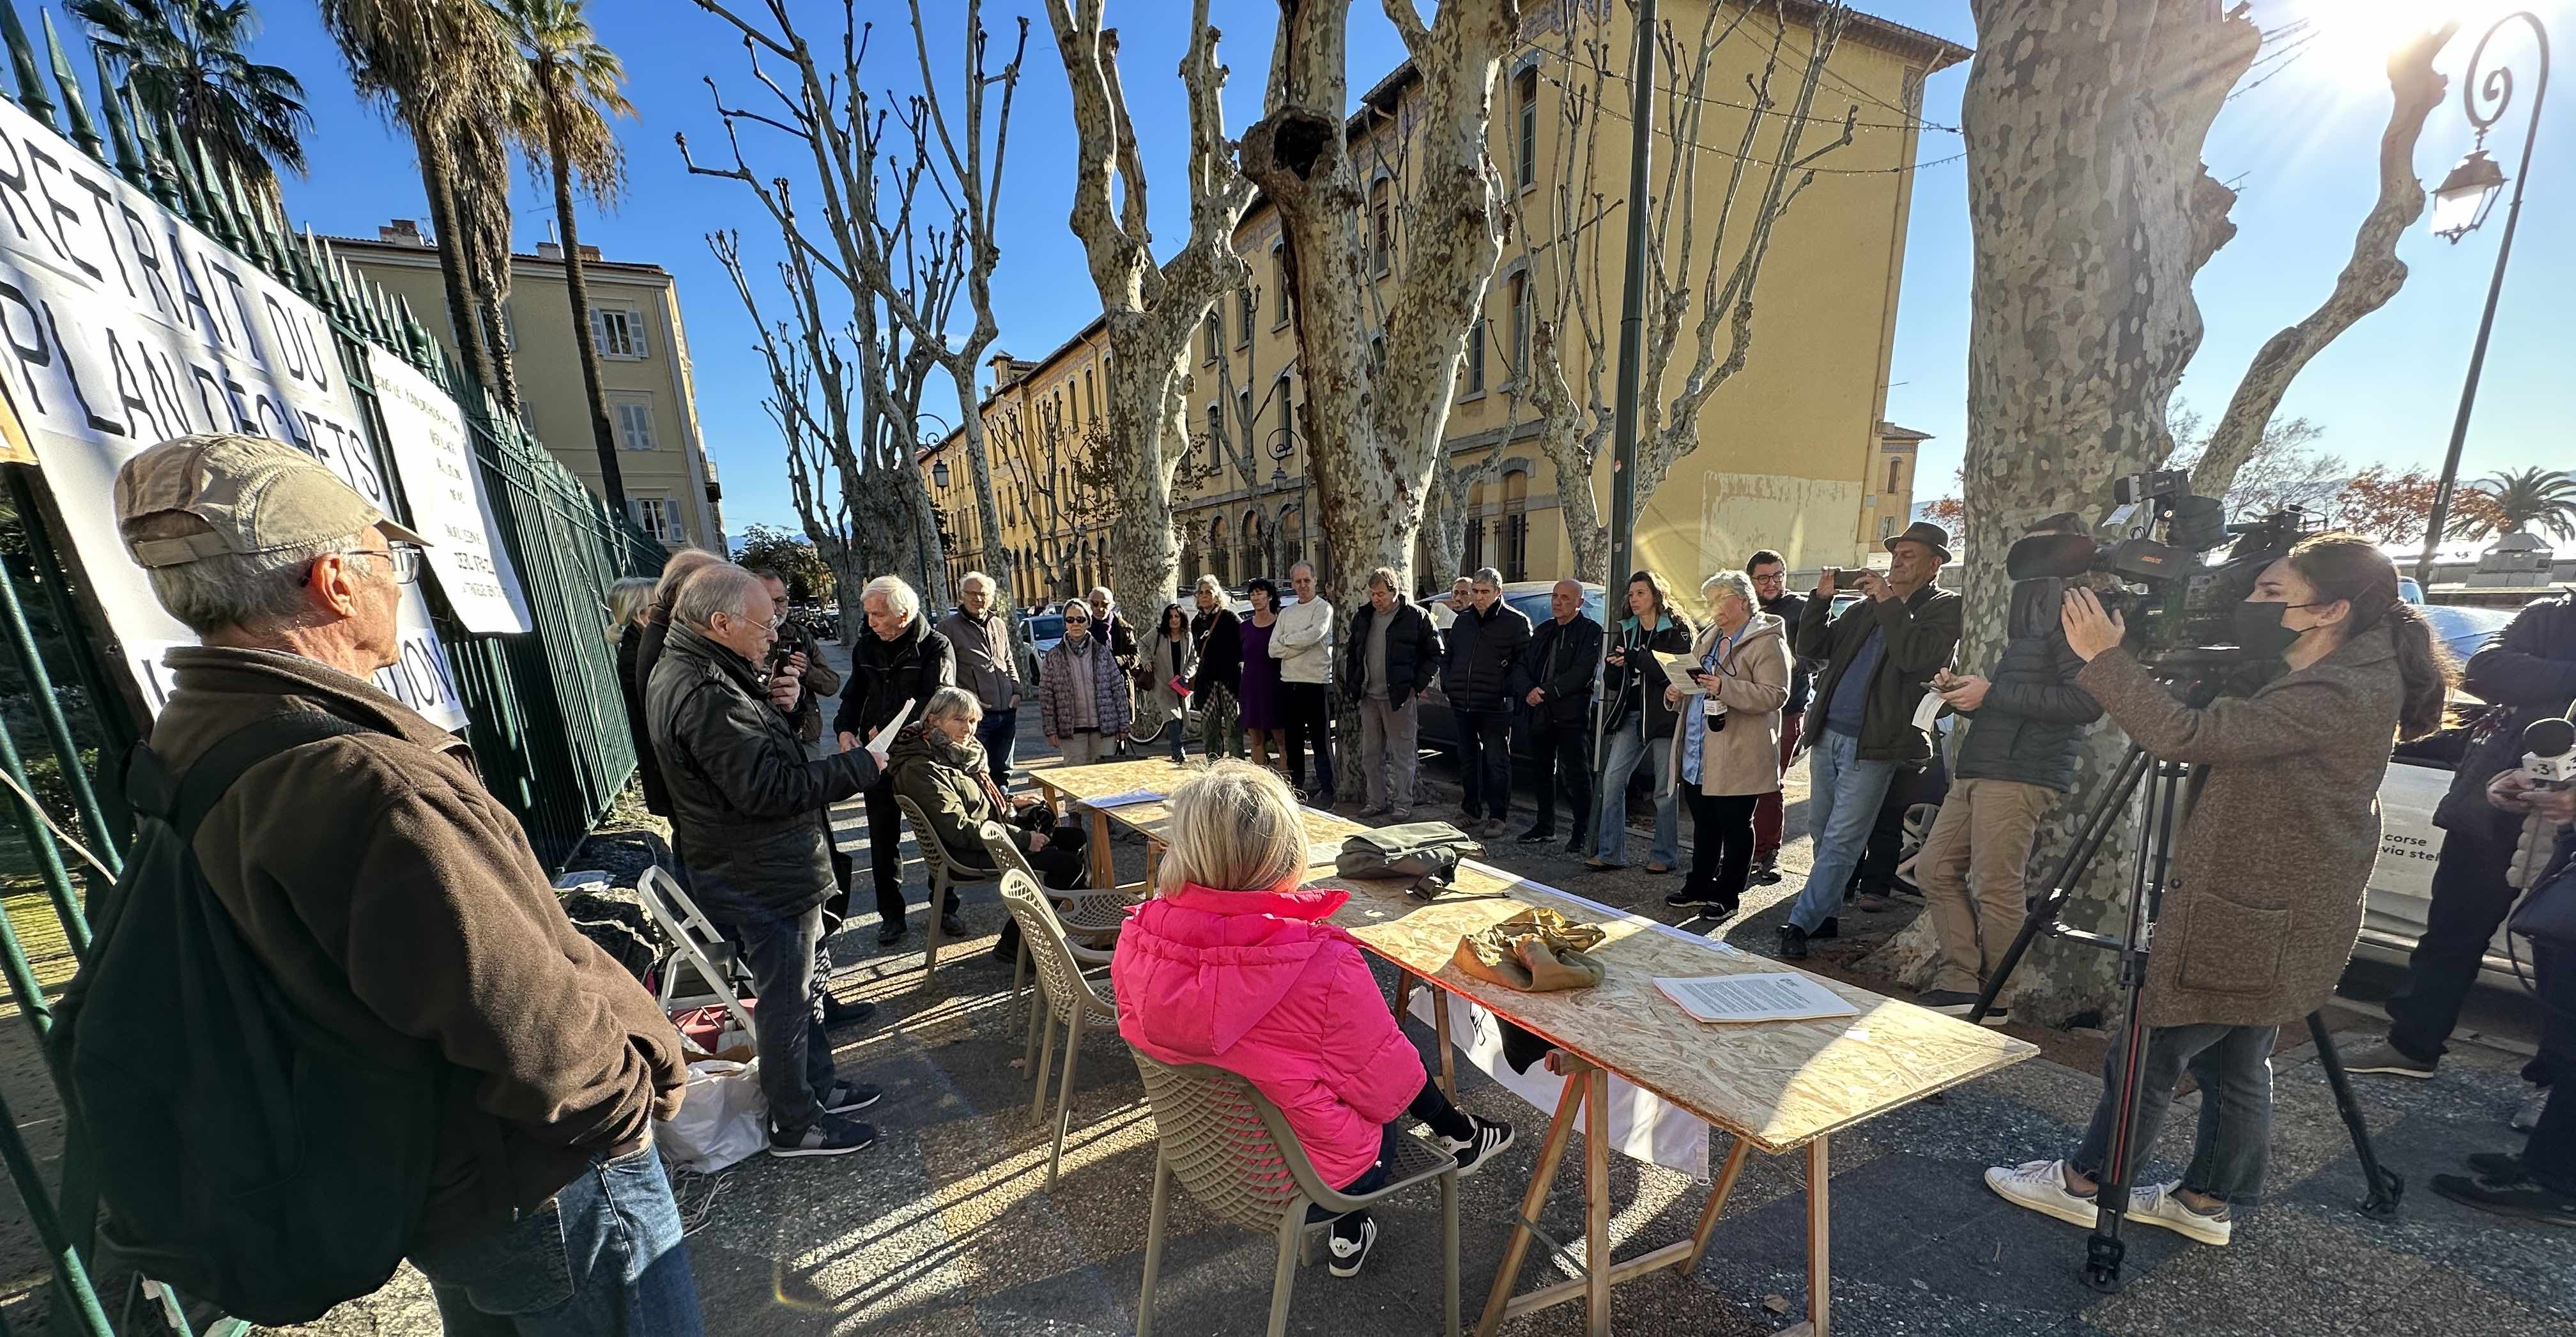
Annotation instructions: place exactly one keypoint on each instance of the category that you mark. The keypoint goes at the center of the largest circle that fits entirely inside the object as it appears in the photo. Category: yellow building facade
(1791, 456)
(671, 486)
(1888, 506)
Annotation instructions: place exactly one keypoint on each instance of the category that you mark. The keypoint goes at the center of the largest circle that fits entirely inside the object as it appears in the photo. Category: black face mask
(2260, 631)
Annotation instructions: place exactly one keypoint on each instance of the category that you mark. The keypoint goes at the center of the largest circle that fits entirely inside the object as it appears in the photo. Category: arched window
(1243, 414)
(1894, 467)
(1516, 525)
(1090, 402)
(1286, 436)
(1520, 290)
(1256, 546)
(1244, 306)
(1219, 558)
(1473, 552)
(1381, 227)
(1215, 332)
(1215, 438)
(1292, 536)
(1476, 357)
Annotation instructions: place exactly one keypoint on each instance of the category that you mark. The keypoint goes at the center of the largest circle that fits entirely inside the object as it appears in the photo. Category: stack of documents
(1786, 996)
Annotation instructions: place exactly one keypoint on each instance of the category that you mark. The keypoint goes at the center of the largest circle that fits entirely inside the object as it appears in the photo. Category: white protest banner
(122, 326)
(433, 455)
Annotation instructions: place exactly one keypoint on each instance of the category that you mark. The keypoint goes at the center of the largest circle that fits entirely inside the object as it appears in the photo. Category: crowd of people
(385, 892)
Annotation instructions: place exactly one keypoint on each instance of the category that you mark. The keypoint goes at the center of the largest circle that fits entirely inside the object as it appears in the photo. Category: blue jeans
(1843, 794)
(999, 733)
(2233, 1065)
(1629, 746)
(604, 1258)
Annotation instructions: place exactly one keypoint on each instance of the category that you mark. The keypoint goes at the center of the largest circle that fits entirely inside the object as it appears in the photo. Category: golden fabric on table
(1535, 951)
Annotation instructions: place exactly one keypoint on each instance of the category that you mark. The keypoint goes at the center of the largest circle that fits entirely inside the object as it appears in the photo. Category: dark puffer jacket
(1576, 648)
(884, 674)
(746, 801)
(2032, 723)
(1485, 652)
(1412, 652)
(2531, 671)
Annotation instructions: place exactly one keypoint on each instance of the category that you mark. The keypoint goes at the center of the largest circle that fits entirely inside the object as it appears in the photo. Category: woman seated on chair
(937, 764)
(1232, 965)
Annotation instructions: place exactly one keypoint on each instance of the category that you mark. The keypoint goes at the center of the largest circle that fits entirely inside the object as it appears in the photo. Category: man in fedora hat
(374, 881)
(1879, 656)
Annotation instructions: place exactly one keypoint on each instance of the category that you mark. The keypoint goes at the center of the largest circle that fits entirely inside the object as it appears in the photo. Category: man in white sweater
(1303, 645)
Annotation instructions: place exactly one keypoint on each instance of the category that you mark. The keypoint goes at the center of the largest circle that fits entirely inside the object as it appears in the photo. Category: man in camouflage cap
(397, 902)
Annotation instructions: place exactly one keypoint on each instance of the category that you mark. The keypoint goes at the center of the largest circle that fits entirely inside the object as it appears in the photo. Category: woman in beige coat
(1726, 740)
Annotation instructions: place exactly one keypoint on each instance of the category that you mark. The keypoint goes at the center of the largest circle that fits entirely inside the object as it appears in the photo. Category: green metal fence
(547, 723)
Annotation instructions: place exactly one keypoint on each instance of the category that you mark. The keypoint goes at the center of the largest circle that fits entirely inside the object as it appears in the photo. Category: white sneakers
(2041, 1187)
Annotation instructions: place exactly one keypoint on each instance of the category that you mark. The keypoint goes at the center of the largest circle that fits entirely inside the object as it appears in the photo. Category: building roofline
(1888, 431)
(382, 246)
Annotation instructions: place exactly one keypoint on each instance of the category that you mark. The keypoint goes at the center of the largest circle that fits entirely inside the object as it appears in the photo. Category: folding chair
(1069, 995)
(1235, 1153)
(945, 875)
(701, 946)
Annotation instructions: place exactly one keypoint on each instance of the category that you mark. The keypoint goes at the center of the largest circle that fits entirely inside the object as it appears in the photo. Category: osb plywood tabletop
(1778, 1084)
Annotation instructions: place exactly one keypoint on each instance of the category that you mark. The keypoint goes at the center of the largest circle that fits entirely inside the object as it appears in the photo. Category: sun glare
(2349, 40)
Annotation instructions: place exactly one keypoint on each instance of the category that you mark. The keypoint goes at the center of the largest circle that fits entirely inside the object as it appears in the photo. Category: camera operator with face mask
(2265, 898)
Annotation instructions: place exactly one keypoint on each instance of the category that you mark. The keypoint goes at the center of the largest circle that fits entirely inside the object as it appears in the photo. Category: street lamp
(2460, 204)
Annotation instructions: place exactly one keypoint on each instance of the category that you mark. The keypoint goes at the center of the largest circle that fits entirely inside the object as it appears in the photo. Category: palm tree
(573, 92)
(2513, 503)
(446, 73)
(188, 61)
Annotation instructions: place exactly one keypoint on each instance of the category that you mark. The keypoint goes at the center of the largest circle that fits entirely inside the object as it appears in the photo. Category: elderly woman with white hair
(1726, 740)
(937, 763)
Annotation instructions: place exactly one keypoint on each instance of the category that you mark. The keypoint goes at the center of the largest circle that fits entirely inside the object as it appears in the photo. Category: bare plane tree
(871, 241)
(2091, 215)
(1151, 309)
(1378, 419)
(1704, 264)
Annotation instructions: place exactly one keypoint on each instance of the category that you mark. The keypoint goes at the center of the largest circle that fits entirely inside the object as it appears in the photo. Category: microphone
(2549, 756)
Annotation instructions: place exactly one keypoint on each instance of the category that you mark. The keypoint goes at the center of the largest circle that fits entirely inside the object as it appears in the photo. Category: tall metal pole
(2496, 88)
(1632, 338)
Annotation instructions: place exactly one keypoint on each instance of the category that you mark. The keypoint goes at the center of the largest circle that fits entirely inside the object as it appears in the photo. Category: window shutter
(641, 347)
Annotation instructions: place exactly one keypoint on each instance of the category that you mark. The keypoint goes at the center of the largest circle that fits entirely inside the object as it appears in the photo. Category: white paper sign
(122, 326)
(425, 433)
(1643, 1126)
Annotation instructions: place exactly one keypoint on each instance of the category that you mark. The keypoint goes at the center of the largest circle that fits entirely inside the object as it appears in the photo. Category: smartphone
(778, 658)
(1835, 575)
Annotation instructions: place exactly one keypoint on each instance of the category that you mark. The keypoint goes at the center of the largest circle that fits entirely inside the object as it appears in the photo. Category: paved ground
(945, 1228)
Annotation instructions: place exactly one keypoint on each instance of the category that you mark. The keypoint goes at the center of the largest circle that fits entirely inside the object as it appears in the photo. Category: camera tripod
(2170, 788)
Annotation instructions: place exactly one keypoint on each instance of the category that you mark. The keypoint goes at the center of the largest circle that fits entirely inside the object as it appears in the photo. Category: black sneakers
(889, 933)
(828, 1135)
(838, 1013)
(846, 1096)
(1793, 943)
(1491, 1136)
(1353, 1236)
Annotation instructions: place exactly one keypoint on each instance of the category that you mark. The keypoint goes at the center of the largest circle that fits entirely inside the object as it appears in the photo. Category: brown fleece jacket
(390, 896)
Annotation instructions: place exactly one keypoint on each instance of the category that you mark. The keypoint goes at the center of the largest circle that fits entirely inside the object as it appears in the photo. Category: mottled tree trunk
(612, 478)
(2090, 213)
(1378, 429)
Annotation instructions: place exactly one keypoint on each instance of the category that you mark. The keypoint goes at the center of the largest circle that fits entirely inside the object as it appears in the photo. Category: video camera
(2181, 615)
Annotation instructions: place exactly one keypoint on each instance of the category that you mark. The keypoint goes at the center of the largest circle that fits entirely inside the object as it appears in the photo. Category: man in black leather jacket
(2528, 672)
(898, 659)
(2026, 726)
(746, 798)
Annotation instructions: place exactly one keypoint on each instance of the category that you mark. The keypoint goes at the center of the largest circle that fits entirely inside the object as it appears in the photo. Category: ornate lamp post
(1283, 444)
(2460, 204)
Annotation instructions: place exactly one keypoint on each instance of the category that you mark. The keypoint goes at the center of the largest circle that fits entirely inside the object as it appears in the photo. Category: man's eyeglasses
(401, 559)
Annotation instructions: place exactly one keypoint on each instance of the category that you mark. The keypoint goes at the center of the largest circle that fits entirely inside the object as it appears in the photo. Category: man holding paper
(896, 665)
(747, 800)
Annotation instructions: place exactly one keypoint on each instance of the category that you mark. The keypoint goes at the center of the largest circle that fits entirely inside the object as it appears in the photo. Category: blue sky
(2300, 147)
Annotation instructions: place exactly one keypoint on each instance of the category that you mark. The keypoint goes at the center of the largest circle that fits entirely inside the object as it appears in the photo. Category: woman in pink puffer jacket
(1232, 965)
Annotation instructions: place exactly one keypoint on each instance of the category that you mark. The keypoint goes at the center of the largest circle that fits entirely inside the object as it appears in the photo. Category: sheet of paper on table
(1786, 996)
(1323, 853)
(1122, 800)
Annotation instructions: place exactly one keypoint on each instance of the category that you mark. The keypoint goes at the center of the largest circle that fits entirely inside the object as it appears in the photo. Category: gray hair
(901, 599)
(950, 702)
(1308, 568)
(246, 591)
(1101, 592)
(722, 588)
(1730, 582)
(1486, 575)
(1234, 828)
(1384, 575)
(975, 578)
(1210, 584)
(676, 572)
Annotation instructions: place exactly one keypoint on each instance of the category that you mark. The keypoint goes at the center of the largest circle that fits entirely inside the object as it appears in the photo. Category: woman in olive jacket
(2265, 897)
